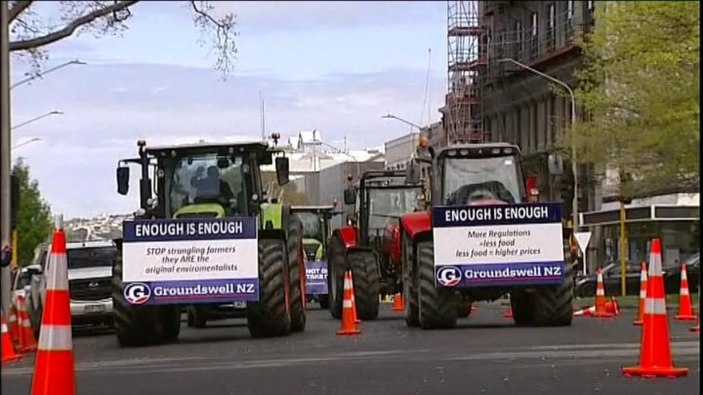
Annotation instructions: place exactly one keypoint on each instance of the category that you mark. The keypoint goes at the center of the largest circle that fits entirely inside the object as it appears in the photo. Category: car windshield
(312, 225)
(81, 258)
(471, 180)
(387, 204)
(206, 178)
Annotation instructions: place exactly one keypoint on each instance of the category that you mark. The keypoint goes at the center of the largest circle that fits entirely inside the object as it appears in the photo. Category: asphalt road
(486, 355)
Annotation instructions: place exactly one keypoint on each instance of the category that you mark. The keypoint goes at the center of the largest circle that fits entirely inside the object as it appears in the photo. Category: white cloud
(76, 163)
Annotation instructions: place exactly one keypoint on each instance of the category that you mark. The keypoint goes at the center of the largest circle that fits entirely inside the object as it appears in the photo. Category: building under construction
(491, 97)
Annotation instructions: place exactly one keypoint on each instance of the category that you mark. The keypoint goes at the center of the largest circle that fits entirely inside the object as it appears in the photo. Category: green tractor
(194, 191)
(316, 234)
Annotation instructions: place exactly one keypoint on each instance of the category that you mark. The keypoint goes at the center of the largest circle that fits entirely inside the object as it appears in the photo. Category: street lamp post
(48, 114)
(419, 129)
(30, 141)
(391, 116)
(5, 152)
(38, 75)
(574, 165)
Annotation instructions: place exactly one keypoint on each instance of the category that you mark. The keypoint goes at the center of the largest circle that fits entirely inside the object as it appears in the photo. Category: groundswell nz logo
(448, 276)
(137, 293)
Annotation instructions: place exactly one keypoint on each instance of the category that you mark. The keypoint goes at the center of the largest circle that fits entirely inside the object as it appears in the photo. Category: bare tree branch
(18, 8)
(224, 34)
(69, 29)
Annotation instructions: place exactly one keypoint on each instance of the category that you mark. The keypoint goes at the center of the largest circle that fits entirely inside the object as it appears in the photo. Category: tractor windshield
(482, 181)
(386, 205)
(312, 225)
(208, 179)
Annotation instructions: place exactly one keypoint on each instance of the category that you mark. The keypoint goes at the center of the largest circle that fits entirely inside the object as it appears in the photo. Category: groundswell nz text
(201, 290)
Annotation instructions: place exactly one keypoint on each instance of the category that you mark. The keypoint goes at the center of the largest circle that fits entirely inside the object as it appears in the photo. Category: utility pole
(5, 152)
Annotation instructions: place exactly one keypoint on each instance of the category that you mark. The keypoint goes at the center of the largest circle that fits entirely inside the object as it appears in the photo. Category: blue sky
(331, 66)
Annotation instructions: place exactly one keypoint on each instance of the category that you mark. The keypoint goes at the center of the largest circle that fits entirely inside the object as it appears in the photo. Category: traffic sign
(582, 239)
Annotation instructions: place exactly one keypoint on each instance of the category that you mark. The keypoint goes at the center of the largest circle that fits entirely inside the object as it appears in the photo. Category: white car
(89, 283)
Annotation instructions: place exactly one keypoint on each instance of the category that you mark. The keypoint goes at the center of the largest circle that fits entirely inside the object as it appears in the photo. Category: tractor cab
(471, 174)
(316, 234)
(316, 229)
(384, 196)
(202, 180)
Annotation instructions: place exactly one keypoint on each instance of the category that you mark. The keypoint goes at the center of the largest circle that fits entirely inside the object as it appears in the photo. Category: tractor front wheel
(366, 279)
(270, 316)
(437, 306)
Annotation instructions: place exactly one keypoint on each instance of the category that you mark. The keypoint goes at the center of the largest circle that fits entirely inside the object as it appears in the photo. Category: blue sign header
(190, 229)
(500, 214)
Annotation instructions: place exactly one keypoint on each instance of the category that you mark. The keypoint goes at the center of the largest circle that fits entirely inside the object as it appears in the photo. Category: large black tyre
(135, 325)
(366, 280)
(171, 321)
(197, 317)
(412, 318)
(436, 306)
(324, 301)
(336, 265)
(296, 272)
(554, 304)
(463, 306)
(270, 316)
(546, 305)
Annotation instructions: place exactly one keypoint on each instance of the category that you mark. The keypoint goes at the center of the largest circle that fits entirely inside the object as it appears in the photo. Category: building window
(553, 119)
(519, 39)
(534, 24)
(535, 124)
(590, 5)
(570, 9)
(551, 15)
(518, 128)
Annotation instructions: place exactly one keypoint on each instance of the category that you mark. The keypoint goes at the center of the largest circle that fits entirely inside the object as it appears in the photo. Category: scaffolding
(466, 39)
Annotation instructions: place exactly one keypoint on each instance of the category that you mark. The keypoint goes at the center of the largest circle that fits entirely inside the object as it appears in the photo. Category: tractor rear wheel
(437, 306)
(546, 305)
(296, 272)
(366, 279)
(554, 304)
(409, 283)
(270, 316)
(336, 265)
(135, 325)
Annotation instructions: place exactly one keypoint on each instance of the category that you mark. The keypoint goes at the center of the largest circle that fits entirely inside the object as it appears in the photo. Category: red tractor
(369, 245)
(480, 237)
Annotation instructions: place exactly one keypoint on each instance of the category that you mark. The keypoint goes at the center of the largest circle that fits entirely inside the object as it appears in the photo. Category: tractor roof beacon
(202, 187)
(369, 244)
(485, 183)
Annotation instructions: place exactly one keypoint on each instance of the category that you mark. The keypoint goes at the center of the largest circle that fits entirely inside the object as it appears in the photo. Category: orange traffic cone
(643, 294)
(587, 312)
(655, 350)
(509, 313)
(685, 307)
(8, 349)
(54, 371)
(28, 342)
(348, 317)
(13, 325)
(612, 306)
(398, 304)
(601, 310)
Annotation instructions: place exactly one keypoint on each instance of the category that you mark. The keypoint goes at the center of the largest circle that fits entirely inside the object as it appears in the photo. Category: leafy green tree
(288, 193)
(639, 85)
(34, 223)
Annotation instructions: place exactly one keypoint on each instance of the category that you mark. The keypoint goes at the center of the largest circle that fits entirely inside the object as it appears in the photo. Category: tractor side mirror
(412, 174)
(282, 170)
(350, 196)
(123, 180)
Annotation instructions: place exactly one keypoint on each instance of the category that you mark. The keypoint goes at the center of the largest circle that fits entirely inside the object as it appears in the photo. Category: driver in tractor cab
(212, 187)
